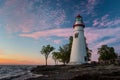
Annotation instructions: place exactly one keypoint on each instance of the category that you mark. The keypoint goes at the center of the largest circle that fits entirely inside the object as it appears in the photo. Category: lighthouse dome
(78, 16)
(78, 22)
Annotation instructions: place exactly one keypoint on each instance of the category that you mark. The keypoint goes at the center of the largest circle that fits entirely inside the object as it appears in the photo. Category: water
(16, 72)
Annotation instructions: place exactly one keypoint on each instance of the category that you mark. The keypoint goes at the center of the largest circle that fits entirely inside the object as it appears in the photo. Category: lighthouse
(78, 51)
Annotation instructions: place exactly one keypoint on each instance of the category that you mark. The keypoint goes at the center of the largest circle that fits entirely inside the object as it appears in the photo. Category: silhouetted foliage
(46, 50)
(64, 54)
(106, 53)
(89, 52)
(70, 47)
(55, 56)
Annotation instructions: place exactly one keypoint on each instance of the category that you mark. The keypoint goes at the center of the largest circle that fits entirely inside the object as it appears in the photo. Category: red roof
(78, 16)
(79, 25)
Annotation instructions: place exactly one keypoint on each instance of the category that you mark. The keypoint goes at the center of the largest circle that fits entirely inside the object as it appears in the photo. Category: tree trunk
(46, 61)
(64, 63)
(55, 62)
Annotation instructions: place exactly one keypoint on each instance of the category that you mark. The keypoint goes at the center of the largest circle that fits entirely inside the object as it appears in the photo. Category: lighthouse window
(76, 35)
(85, 58)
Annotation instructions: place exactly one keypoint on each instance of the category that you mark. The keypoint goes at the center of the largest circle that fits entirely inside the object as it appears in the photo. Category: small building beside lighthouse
(78, 51)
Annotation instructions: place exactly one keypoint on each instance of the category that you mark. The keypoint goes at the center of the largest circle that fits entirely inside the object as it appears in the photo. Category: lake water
(16, 72)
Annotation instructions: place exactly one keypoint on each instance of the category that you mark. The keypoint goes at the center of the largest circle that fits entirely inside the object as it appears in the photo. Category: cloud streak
(86, 8)
(105, 21)
(49, 33)
(94, 35)
(57, 41)
(90, 6)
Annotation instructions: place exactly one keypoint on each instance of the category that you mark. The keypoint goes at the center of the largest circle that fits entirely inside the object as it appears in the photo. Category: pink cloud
(93, 36)
(105, 42)
(10, 2)
(117, 48)
(113, 23)
(95, 22)
(91, 1)
(105, 22)
(94, 57)
(87, 8)
(96, 34)
(57, 41)
(90, 6)
(47, 33)
(105, 17)
(24, 17)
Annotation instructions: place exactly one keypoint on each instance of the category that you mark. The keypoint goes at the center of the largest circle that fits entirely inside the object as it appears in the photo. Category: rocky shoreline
(78, 72)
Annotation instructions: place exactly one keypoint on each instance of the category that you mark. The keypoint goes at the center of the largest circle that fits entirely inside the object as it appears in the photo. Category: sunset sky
(27, 25)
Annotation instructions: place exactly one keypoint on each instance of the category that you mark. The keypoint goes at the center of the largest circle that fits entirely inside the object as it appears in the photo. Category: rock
(77, 72)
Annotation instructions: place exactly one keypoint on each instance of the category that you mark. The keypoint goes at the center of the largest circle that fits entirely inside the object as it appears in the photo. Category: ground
(77, 72)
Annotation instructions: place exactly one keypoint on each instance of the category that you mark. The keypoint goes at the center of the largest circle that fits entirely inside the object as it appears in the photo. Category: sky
(27, 25)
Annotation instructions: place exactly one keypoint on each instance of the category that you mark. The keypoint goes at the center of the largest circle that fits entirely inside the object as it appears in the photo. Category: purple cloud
(87, 8)
(103, 27)
(105, 21)
(57, 41)
(22, 16)
(91, 5)
(94, 34)
(65, 32)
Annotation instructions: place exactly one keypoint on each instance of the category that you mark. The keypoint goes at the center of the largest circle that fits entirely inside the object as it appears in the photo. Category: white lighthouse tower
(78, 51)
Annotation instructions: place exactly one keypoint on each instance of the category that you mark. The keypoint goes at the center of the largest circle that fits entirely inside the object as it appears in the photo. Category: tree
(70, 42)
(89, 52)
(64, 54)
(55, 56)
(69, 47)
(46, 50)
(64, 51)
(106, 53)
